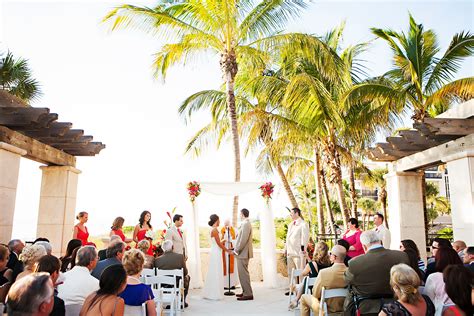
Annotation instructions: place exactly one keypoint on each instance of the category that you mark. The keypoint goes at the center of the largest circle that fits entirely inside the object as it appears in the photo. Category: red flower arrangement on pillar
(194, 189)
(267, 190)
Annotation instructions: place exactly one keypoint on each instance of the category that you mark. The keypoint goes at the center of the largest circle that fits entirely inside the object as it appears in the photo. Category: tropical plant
(375, 179)
(240, 32)
(368, 207)
(436, 205)
(16, 78)
(427, 80)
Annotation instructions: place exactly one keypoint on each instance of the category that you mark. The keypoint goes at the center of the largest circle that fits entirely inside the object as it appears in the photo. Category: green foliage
(367, 205)
(128, 229)
(446, 233)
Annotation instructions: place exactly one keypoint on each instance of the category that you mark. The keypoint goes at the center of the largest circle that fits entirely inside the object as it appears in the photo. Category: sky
(103, 83)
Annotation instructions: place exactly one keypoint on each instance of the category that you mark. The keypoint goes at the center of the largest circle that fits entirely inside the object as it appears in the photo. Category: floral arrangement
(194, 189)
(267, 190)
(149, 234)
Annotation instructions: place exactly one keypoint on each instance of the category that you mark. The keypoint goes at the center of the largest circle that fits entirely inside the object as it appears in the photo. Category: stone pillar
(9, 169)
(57, 205)
(461, 189)
(405, 209)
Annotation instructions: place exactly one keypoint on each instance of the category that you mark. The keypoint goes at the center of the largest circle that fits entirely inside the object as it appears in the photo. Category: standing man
(382, 230)
(228, 259)
(296, 244)
(244, 252)
(16, 247)
(175, 234)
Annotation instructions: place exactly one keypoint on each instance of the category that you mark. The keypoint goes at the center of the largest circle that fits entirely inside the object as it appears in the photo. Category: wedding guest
(29, 256)
(5, 272)
(469, 258)
(51, 265)
(297, 239)
(368, 275)
(459, 286)
(176, 235)
(144, 230)
(410, 244)
(105, 301)
(136, 293)
(143, 246)
(352, 236)
(344, 243)
(47, 246)
(31, 295)
(103, 252)
(66, 259)
(329, 278)
(80, 229)
(115, 253)
(79, 282)
(382, 230)
(405, 282)
(228, 235)
(16, 247)
(435, 287)
(170, 261)
(319, 261)
(435, 246)
(459, 246)
(116, 229)
(413, 258)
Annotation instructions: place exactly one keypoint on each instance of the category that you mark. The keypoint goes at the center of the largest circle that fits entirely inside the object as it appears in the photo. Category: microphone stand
(229, 292)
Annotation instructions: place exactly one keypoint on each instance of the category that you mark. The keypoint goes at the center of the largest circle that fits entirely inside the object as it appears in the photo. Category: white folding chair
(308, 285)
(295, 273)
(134, 310)
(147, 272)
(330, 293)
(164, 295)
(73, 309)
(179, 285)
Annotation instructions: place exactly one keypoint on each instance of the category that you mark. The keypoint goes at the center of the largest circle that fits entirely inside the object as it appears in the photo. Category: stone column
(9, 169)
(405, 209)
(461, 189)
(57, 205)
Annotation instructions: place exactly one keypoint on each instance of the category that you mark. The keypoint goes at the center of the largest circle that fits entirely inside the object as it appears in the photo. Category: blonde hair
(31, 254)
(118, 223)
(143, 245)
(405, 282)
(321, 253)
(133, 261)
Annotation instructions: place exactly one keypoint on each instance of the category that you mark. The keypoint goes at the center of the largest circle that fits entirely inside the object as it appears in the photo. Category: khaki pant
(308, 302)
(244, 276)
(293, 262)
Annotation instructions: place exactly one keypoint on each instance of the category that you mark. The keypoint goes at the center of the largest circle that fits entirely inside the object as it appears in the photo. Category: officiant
(228, 237)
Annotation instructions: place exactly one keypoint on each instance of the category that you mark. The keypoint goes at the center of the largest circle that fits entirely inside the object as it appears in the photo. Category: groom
(244, 251)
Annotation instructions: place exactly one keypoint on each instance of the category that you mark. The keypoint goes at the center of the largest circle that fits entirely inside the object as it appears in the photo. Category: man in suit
(297, 239)
(16, 247)
(469, 258)
(244, 252)
(103, 252)
(176, 236)
(369, 275)
(329, 278)
(114, 255)
(382, 230)
(171, 260)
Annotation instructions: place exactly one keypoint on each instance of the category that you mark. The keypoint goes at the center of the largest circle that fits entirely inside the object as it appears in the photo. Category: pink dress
(354, 240)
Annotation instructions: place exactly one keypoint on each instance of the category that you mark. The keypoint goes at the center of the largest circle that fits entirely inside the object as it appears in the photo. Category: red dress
(83, 236)
(119, 233)
(354, 240)
(140, 236)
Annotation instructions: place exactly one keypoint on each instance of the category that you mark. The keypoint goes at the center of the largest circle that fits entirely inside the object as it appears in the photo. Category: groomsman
(175, 234)
(244, 252)
(382, 230)
(296, 244)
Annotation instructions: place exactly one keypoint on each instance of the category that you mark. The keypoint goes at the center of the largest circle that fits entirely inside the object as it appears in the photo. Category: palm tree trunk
(327, 202)
(319, 200)
(383, 200)
(286, 185)
(353, 192)
(229, 69)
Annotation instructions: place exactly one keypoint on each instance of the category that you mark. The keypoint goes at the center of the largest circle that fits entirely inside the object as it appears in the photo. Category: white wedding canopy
(267, 232)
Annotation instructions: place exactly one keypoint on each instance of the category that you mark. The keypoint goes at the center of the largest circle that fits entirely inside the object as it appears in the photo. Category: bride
(214, 286)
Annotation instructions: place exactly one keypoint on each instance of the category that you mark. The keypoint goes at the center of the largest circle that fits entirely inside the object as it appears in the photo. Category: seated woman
(459, 286)
(30, 256)
(405, 282)
(106, 300)
(136, 293)
(67, 258)
(413, 258)
(410, 244)
(311, 270)
(143, 246)
(5, 273)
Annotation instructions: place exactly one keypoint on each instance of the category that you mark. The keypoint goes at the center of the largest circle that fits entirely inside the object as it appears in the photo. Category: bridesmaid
(116, 229)
(80, 229)
(141, 229)
(352, 236)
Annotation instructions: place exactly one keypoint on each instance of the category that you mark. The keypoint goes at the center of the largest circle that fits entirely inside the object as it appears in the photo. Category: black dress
(313, 273)
(3, 279)
(395, 308)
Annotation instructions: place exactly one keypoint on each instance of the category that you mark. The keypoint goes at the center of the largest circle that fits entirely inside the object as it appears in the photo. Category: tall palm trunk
(353, 191)
(229, 70)
(327, 202)
(286, 185)
(319, 193)
(383, 200)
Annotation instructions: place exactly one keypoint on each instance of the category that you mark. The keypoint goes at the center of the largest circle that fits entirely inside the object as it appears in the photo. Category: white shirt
(435, 289)
(297, 236)
(384, 235)
(78, 284)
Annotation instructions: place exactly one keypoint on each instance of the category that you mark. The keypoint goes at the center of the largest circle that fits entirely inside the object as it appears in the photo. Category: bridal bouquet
(194, 189)
(149, 234)
(267, 190)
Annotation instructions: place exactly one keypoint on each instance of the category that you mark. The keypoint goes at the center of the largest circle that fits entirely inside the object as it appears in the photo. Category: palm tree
(240, 32)
(16, 78)
(368, 207)
(375, 179)
(426, 79)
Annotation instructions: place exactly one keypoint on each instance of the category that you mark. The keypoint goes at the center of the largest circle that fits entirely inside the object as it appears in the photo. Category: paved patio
(266, 302)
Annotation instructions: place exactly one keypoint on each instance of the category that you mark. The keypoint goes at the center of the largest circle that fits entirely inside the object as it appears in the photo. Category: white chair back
(295, 273)
(327, 294)
(147, 272)
(309, 283)
(178, 284)
(134, 310)
(73, 309)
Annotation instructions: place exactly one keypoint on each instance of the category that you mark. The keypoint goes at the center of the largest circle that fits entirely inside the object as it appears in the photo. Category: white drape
(267, 232)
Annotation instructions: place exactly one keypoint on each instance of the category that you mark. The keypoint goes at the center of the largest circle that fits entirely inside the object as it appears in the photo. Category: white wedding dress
(214, 285)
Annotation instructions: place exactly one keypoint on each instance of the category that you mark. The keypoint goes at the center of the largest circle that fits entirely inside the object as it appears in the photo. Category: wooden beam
(21, 116)
(64, 140)
(56, 129)
(450, 126)
(91, 149)
(36, 150)
(388, 149)
(402, 144)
